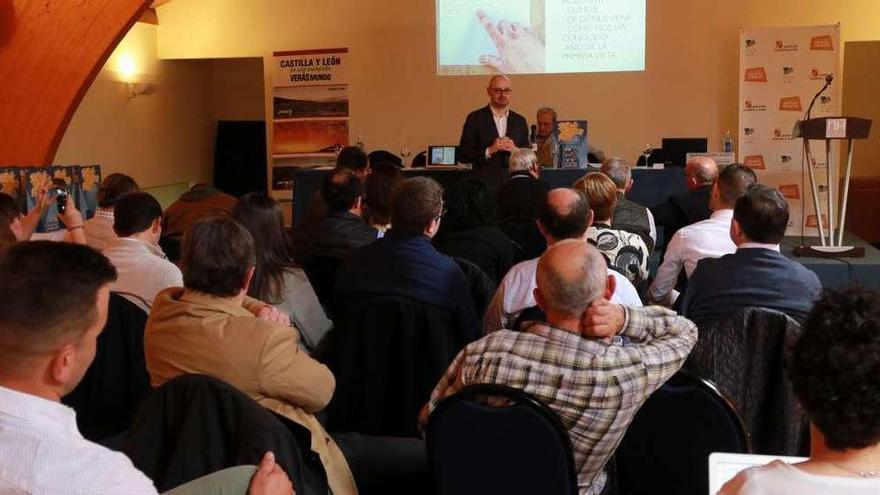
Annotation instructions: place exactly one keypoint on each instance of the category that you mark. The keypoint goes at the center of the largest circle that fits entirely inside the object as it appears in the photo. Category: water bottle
(727, 143)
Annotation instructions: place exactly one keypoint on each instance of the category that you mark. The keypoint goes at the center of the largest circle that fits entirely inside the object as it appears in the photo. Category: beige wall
(861, 98)
(168, 136)
(688, 88)
(160, 138)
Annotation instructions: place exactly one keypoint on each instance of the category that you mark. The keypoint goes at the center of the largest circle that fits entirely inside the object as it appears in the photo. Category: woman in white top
(277, 280)
(835, 371)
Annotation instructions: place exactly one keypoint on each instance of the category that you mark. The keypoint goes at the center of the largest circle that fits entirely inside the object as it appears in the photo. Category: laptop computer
(723, 467)
(675, 150)
(442, 156)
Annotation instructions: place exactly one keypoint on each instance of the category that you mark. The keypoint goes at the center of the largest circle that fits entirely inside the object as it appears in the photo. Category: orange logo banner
(755, 162)
(756, 74)
(812, 221)
(790, 191)
(790, 104)
(822, 43)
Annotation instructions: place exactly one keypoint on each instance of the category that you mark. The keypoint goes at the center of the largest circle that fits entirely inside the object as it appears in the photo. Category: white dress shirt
(709, 238)
(41, 451)
(142, 269)
(517, 292)
(500, 125)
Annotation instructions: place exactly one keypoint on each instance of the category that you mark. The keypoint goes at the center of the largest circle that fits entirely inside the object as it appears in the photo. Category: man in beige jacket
(210, 327)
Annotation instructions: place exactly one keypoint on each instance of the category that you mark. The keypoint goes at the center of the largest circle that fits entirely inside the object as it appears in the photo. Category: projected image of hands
(519, 49)
(539, 36)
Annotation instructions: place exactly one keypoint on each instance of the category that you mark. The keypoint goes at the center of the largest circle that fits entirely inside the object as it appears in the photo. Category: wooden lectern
(828, 129)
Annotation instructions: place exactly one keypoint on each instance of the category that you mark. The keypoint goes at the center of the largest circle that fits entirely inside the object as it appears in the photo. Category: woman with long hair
(378, 188)
(277, 280)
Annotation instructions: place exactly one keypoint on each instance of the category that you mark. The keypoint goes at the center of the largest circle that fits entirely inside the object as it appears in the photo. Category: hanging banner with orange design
(781, 69)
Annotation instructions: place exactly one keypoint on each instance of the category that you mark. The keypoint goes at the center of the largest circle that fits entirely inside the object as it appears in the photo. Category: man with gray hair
(593, 362)
(628, 215)
(519, 201)
(546, 123)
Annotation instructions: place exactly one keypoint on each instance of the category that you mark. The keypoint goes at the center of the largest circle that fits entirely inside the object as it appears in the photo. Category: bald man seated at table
(692, 206)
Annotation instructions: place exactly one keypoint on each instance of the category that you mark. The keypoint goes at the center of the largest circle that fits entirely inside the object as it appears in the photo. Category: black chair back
(744, 353)
(495, 439)
(524, 233)
(666, 447)
(482, 287)
(321, 272)
(387, 353)
(194, 425)
(116, 383)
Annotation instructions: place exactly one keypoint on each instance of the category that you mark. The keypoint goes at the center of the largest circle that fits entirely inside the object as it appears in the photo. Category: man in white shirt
(706, 239)
(143, 269)
(566, 215)
(99, 228)
(53, 306)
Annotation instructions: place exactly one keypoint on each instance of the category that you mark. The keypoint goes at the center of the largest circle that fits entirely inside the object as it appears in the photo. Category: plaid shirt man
(595, 387)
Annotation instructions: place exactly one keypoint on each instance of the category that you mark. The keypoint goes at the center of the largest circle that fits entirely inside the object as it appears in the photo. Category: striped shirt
(594, 386)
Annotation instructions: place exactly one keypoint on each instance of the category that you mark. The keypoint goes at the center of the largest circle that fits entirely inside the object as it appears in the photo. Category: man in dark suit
(491, 133)
(684, 209)
(757, 274)
(520, 201)
(405, 264)
(342, 229)
(628, 215)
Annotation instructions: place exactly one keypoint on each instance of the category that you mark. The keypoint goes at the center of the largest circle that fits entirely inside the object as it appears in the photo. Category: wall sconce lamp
(128, 70)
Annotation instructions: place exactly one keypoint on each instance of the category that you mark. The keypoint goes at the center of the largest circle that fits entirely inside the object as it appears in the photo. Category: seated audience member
(405, 264)
(692, 206)
(525, 192)
(143, 269)
(383, 156)
(708, 238)
(99, 229)
(204, 327)
(629, 216)
(23, 227)
(378, 190)
(277, 279)
(625, 252)
(200, 201)
(578, 362)
(351, 158)
(833, 369)
(565, 215)
(757, 274)
(520, 200)
(7, 235)
(469, 229)
(47, 342)
(342, 229)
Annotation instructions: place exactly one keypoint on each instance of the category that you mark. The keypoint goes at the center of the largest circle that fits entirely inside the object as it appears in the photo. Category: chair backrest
(321, 272)
(495, 439)
(387, 354)
(744, 353)
(666, 447)
(482, 287)
(194, 425)
(116, 383)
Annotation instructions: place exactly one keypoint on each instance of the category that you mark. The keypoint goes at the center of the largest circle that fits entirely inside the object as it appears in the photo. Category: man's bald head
(701, 171)
(566, 214)
(499, 79)
(571, 274)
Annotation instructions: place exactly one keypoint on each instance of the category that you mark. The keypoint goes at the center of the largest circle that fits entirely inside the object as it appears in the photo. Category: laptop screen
(441, 155)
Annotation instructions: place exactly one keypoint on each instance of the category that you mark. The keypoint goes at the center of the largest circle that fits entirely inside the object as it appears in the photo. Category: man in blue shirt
(757, 274)
(405, 264)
